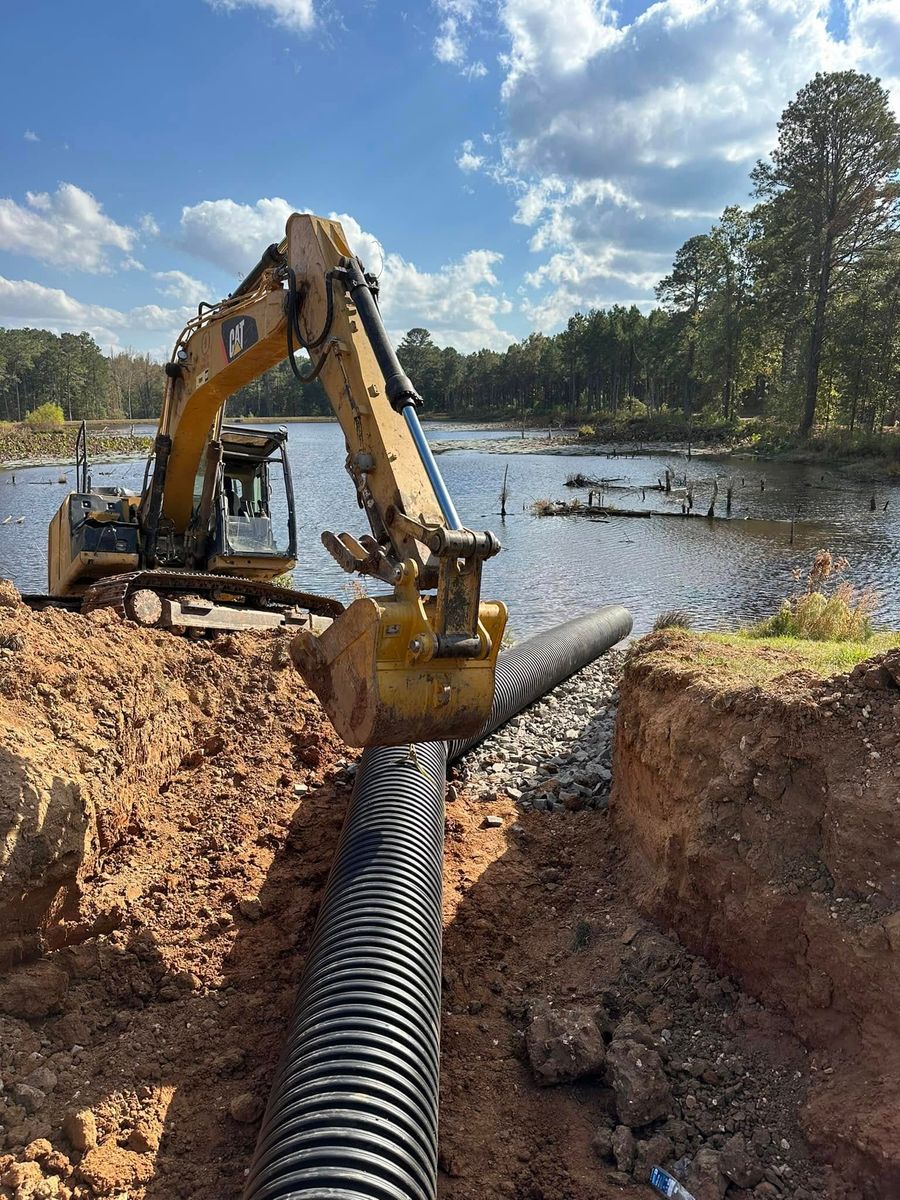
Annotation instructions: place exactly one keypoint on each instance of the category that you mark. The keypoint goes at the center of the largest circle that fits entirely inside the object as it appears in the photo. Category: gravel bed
(555, 754)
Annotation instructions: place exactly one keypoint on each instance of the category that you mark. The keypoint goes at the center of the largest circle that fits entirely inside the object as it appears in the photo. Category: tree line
(785, 309)
(38, 367)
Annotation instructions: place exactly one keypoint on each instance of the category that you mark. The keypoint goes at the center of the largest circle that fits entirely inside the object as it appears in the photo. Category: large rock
(739, 1164)
(641, 1088)
(109, 1169)
(622, 1144)
(564, 1044)
(705, 1180)
(81, 1129)
(36, 990)
(653, 1152)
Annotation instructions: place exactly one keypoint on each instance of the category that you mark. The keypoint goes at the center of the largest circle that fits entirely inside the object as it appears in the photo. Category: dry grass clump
(555, 508)
(674, 618)
(841, 614)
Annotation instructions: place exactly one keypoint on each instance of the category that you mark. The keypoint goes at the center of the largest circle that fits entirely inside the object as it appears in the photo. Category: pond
(724, 572)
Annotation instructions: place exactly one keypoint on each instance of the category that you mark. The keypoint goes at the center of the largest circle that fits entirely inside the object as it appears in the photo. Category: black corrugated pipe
(353, 1110)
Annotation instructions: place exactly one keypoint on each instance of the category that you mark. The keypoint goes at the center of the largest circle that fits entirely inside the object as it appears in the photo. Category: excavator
(202, 548)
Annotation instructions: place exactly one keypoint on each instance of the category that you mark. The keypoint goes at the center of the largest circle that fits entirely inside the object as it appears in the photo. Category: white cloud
(623, 140)
(131, 264)
(448, 46)
(467, 160)
(182, 287)
(451, 42)
(30, 136)
(232, 235)
(460, 302)
(147, 225)
(67, 228)
(23, 302)
(298, 16)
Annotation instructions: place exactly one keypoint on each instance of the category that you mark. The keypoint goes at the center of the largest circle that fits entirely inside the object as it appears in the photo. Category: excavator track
(114, 592)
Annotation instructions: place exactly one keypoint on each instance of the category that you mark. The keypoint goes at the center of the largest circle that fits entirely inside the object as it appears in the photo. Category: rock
(81, 1129)
(58, 1163)
(144, 1138)
(37, 1150)
(110, 1168)
(601, 1144)
(632, 1029)
(246, 1108)
(738, 1165)
(493, 822)
(31, 1098)
(760, 1138)
(251, 908)
(24, 1178)
(639, 1082)
(43, 1078)
(653, 1152)
(35, 990)
(71, 1030)
(188, 981)
(705, 1180)
(564, 1044)
(623, 1148)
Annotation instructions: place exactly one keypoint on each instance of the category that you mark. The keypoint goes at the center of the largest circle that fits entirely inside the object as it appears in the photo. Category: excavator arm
(414, 664)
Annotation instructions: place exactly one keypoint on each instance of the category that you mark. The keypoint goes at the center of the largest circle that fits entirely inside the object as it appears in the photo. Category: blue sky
(502, 163)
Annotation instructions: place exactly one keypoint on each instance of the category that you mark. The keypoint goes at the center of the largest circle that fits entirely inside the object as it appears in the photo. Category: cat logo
(238, 335)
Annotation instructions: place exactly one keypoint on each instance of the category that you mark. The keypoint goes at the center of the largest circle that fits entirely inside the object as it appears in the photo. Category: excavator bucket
(371, 671)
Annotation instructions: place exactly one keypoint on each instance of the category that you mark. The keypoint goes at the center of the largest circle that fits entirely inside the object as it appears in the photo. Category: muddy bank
(169, 815)
(761, 824)
(24, 447)
(568, 444)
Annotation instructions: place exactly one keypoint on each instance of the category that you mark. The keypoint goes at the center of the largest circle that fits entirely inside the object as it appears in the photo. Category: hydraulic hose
(353, 1109)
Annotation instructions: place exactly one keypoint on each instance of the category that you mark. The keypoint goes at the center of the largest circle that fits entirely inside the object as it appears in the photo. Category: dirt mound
(762, 824)
(148, 782)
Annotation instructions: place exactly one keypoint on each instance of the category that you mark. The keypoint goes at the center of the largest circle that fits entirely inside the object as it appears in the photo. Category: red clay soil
(170, 811)
(763, 826)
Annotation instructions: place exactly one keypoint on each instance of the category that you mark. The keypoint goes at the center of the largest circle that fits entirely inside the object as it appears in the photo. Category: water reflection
(551, 568)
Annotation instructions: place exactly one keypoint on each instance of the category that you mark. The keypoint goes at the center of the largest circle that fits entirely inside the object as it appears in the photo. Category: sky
(500, 163)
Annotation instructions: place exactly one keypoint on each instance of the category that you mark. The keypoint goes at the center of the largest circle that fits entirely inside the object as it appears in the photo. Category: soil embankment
(762, 826)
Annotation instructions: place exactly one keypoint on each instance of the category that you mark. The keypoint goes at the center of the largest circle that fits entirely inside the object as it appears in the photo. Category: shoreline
(24, 464)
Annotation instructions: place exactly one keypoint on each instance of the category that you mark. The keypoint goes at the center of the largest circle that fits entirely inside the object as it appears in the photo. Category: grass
(739, 653)
(673, 618)
(840, 615)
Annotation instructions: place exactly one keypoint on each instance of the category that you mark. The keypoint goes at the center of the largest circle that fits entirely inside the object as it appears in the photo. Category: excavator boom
(418, 661)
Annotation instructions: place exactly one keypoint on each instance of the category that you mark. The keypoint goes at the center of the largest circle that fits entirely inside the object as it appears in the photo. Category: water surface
(551, 568)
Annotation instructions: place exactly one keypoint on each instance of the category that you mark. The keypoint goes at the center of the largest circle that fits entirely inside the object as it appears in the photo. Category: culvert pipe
(353, 1109)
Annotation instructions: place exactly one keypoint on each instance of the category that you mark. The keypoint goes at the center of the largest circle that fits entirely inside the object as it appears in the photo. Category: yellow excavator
(214, 525)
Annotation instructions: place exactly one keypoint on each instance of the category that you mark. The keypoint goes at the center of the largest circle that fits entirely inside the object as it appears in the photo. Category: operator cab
(254, 523)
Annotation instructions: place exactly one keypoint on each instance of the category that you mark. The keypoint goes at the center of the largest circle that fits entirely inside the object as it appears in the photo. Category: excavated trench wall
(95, 716)
(762, 824)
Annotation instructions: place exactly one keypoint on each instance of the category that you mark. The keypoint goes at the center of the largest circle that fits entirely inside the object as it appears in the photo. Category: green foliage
(828, 219)
(45, 416)
(69, 370)
(840, 614)
(586, 431)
